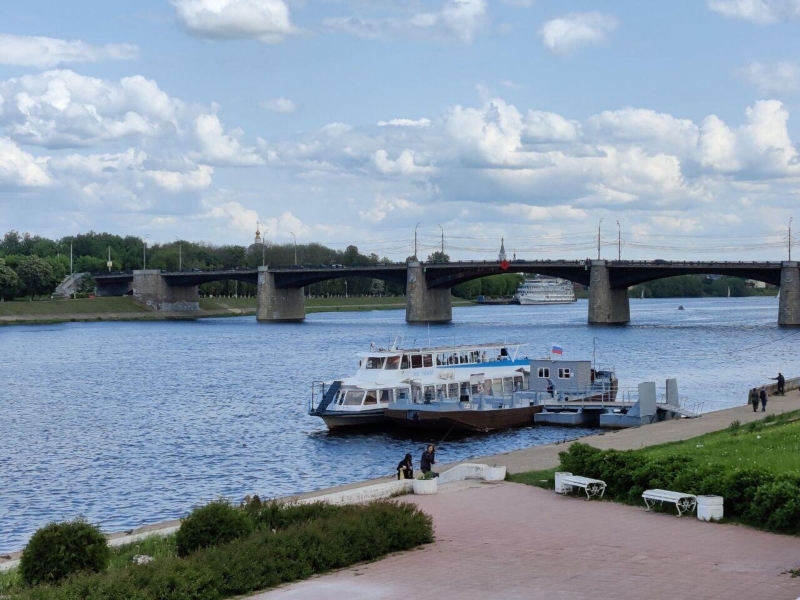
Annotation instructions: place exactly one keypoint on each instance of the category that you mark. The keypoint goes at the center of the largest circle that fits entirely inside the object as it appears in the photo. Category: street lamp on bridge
(598, 237)
(619, 242)
(180, 254)
(440, 227)
(790, 238)
(144, 251)
(415, 241)
(295, 248)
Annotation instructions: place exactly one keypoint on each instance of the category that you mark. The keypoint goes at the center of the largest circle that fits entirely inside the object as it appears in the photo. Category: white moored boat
(419, 375)
(545, 291)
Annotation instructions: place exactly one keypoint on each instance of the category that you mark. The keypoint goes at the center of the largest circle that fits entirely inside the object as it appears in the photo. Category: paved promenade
(513, 541)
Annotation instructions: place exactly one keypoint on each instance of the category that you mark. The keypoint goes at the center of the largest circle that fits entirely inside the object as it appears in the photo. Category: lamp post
(598, 238)
(440, 227)
(790, 238)
(180, 254)
(108, 262)
(415, 241)
(619, 242)
(144, 252)
(295, 247)
(345, 288)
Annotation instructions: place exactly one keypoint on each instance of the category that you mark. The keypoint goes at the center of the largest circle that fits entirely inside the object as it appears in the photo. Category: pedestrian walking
(781, 384)
(763, 396)
(754, 399)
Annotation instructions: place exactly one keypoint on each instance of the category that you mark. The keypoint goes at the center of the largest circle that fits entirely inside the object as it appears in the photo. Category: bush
(211, 525)
(61, 549)
(777, 506)
(277, 515)
(337, 537)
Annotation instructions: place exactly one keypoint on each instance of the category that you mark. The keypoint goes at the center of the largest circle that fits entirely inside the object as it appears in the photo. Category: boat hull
(463, 420)
(343, 420)
(530, 302)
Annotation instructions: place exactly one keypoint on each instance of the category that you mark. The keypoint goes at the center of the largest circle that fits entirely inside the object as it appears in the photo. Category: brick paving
(514, 541)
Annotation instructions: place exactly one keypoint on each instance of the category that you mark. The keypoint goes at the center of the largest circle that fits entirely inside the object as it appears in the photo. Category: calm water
(134, 423)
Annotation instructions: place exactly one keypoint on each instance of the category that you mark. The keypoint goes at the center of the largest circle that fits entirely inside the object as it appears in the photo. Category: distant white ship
(545, 291)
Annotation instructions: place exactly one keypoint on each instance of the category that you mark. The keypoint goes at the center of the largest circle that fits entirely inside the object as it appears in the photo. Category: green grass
(545, 479)
(213, 304)
(771, 445)
(81, 306)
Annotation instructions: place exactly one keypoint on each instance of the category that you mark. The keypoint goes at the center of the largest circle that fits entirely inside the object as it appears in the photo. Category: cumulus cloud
(45, 52)
(405, 123)
(382, 206)
(573, 31)
(218, 147)
(282, 106)
(404, 165)
(266, 20)
(458, 19)
(778, 78)
(19, 168)
(757, 11)
(62, 108)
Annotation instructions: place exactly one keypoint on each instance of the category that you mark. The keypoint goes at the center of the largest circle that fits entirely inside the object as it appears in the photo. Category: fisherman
(763, 396)
(405, 468)
(754, 399)
(428, 459)
(781, 383)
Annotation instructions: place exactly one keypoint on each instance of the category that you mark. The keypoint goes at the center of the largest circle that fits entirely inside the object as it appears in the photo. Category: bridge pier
(607, 305)
(278, 305)
(424, 304)
(152, 289)
(789, 304)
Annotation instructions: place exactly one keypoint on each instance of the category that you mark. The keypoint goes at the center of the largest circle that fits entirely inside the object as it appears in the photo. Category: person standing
(405, 468)
(428, 460)
(763, 396)
(754, 399)
(781, 384)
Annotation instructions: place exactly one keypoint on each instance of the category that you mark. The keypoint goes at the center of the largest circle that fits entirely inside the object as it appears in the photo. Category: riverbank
(126, 308)
(536, 458)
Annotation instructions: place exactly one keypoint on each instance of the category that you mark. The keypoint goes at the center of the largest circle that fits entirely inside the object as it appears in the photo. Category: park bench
(592, 487)
(683, 502)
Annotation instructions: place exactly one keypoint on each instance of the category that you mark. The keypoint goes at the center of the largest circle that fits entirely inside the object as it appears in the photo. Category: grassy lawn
(772, 444)
(227, 303)
(47, 308)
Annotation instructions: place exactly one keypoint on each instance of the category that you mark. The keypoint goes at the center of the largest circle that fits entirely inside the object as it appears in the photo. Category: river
(134, 423)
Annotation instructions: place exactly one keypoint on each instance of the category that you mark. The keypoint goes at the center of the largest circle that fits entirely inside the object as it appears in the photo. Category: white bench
(592, 487)
(683, 502)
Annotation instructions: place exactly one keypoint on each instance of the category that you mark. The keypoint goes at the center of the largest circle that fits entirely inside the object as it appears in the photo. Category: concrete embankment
(538, 458)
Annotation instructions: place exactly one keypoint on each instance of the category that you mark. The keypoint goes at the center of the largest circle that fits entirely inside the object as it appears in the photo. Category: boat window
(339, 397)
(386, 396)
(440, 359)
(404, 362)
(564, 373)
(519, 383)
(475, 390)
(441, 393)
(353, 397)
(464, 388)
(416, 361)
(453, 390)
(375, 362)
(372, 397)
(483, 356)
(392, 363)
(429, 393)
(402, 395)
(427, 360)
(508, 385)
(487, 387)
(544, 372)
(497, 385)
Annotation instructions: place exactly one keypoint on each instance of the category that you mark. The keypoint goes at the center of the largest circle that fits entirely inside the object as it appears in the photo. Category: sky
(343, 122)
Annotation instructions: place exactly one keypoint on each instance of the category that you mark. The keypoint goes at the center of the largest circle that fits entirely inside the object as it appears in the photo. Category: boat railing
(317, 390)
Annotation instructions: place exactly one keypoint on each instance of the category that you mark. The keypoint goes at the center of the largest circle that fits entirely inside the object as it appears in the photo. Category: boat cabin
(569, 375)
(436, 357)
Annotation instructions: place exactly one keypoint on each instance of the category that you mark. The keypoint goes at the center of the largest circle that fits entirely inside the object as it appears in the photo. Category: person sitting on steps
(405, 468)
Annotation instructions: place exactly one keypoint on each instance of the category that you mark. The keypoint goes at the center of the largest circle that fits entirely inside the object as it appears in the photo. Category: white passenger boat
(545, 291)
(418, 375)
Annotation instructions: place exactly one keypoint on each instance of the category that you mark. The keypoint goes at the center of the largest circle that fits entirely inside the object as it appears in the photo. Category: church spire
(502, 256)
(258, 234)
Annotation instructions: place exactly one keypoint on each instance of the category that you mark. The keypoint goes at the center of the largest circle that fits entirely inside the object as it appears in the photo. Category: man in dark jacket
(405, 468)
(781, 383)
(763, 396)
(428, 460)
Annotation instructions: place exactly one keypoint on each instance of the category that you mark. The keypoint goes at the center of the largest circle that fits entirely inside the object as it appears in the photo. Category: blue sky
(351, 121)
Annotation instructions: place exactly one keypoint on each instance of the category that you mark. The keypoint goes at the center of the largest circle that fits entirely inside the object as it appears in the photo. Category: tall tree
(9, 282)
(36, 276)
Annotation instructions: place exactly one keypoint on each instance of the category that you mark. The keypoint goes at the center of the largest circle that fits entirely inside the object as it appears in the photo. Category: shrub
(343, 536)
(210, 525)
(61, 549)
(579, 458)
(777, 506)
(277, 515)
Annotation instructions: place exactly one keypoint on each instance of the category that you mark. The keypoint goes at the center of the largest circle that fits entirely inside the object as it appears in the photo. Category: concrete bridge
(281, 299)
